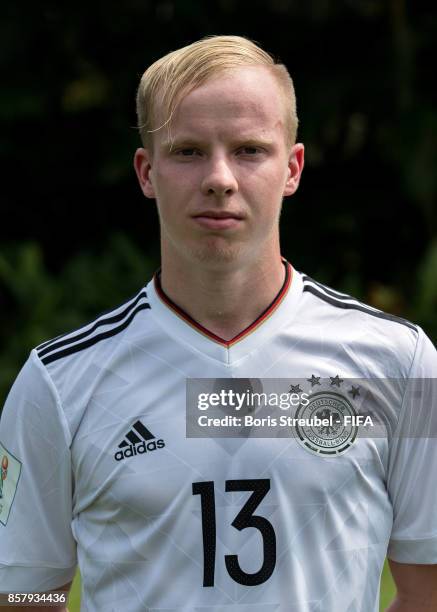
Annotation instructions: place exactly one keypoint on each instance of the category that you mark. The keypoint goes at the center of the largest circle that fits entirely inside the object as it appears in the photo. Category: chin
(213, 252)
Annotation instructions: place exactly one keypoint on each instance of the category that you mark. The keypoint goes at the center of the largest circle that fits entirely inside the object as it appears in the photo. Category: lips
(218, 220)
(218, 214)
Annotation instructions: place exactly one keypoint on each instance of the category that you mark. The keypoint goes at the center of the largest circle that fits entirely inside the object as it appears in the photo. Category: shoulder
(95, 335)
(380, 338)
(94, 358)
(342, 301)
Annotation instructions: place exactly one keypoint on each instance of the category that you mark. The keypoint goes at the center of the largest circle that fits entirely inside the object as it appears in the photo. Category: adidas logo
(138, 441)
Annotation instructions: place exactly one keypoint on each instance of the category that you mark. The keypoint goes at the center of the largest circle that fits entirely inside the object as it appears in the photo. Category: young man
(102, 473)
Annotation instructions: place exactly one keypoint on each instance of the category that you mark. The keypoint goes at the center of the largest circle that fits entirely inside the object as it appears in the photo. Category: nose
(219, 179)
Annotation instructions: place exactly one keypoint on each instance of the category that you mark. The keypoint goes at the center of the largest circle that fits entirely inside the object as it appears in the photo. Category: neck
(225, 302)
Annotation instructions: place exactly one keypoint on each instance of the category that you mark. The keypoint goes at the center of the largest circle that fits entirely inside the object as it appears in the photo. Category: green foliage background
(76, 235)
(44, 304)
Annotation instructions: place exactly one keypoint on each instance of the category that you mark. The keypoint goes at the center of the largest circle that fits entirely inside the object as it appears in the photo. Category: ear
(295, 167)
(143, 169)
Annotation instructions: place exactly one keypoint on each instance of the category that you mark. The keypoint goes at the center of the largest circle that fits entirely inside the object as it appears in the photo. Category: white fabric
(134, 525)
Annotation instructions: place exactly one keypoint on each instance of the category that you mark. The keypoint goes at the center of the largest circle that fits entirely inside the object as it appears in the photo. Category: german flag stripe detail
(228, 343)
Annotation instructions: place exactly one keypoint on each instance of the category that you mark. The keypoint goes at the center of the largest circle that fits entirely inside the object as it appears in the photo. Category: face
(220, 181)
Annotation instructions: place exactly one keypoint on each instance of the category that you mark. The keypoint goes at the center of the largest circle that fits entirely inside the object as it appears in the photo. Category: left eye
(186, 152)
(249, 150)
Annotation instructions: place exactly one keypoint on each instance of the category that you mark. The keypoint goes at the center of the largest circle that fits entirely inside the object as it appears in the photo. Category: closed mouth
(218, 215)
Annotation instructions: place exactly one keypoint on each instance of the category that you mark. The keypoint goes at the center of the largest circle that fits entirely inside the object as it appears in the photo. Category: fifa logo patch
(10, 471)
(138, 441)
(4, 473)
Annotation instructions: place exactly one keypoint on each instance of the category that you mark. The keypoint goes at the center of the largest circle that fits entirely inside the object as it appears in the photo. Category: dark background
(77, 236)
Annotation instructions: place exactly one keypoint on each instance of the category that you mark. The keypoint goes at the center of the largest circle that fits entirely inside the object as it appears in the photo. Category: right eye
(188, 152)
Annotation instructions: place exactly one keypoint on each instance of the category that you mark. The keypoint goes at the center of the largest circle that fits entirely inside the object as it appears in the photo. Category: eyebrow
(190, 142)
(170, 145)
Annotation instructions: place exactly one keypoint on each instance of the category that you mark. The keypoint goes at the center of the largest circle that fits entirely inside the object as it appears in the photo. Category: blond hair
(175, 75)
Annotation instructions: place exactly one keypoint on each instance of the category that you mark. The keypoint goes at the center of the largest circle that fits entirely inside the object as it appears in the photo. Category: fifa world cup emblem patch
(10, 471)
(4, 473)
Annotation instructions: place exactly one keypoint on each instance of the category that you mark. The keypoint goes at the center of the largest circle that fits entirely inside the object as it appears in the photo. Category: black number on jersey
(245, 518)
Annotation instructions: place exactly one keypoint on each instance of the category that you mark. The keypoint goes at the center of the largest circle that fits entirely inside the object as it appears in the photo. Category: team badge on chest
(327, 424)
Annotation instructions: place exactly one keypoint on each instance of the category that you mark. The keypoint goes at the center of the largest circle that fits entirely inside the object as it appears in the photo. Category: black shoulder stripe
(357, 306)
(56, 343)
(341, 296)
(331, 292)
(75, 348)
(47, 342)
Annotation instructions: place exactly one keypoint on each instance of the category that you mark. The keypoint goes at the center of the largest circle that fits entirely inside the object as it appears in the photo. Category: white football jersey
(97, 469)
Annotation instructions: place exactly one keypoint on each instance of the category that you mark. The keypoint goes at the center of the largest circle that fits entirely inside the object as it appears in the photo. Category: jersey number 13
(245, 518)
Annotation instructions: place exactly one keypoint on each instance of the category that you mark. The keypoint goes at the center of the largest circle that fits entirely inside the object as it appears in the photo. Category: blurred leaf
(37, 305)
(426, 295)
(90, 91)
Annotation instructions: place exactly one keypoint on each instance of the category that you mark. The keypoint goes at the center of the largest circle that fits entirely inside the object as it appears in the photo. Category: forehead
(242, 99)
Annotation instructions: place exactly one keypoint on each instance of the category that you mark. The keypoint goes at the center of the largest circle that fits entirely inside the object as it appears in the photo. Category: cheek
(172, 198)
(268, 187)
(166, 186)
(176, 173)
(272, 175)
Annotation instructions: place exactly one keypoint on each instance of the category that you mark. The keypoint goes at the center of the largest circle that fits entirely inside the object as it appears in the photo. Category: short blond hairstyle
(175, 75)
